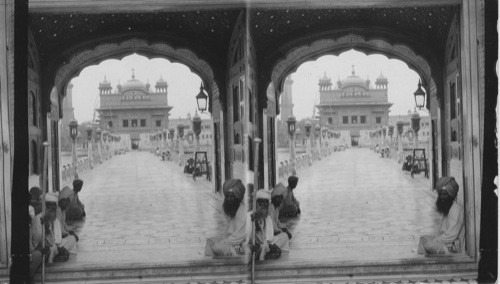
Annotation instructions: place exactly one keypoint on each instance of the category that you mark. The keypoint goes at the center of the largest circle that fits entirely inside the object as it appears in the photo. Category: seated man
(37, 250)
(407, 165)
(233, 241)
(267, 245)
(64, 197)
(76, 209)
(451, 234)
(277, 196)
(60, 246)
(291, 206)
(35, 202)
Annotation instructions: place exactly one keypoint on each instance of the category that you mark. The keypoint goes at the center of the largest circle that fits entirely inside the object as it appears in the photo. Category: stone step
(223, 271)
(201, 271)
(453, 269)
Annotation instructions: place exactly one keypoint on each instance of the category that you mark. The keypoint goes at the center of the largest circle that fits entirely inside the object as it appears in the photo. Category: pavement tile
(136, 202)
(356, 205)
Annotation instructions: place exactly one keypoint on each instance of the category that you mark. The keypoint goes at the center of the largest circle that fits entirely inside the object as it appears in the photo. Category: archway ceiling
(206, 32)
(276, 32)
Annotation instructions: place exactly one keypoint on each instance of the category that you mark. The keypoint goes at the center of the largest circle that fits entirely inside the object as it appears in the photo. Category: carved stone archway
(105, 51)
(321, 47)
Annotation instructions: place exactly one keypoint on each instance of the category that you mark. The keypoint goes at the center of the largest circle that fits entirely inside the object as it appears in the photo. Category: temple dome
(133, 84)
(353, 80)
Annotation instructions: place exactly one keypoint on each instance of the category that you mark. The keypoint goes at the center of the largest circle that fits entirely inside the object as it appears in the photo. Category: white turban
(51, 197)
(264, 194)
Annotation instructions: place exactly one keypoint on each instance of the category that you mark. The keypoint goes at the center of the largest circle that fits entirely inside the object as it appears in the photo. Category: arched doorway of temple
(282, 53)
(156, 181)
(374, 181)
(145, 136)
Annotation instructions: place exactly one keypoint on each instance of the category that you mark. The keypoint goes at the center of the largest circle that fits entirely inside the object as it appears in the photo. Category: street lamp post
(105, 138)
(399, 128)
(380, 137)
(391, 132)
(158, 139)
(180, 135)
(89, 145)
(164, 139)
(308, 126)
(384, 134)
(197, 130)
(415, 125)
(291, 130)
(73, 133)
(99, 143)
(171, 134)
(298, 135)
(317, 133)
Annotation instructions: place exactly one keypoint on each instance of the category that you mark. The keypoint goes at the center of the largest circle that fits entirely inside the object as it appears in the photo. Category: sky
(184, 85)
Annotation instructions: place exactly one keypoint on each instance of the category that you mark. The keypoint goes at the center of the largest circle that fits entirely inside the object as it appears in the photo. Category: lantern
(73, 129)
(419, 96)
(89, 132)
(202, 99)
(308, 126)
(291, 124)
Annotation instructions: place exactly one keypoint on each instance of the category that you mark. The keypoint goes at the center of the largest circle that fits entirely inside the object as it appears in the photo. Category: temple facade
(133, 110)
(353, 106)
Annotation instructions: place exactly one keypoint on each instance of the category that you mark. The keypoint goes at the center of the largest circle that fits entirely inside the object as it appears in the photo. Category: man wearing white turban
(450, 237)
(268, 246)
(63, 244)
(233, 241)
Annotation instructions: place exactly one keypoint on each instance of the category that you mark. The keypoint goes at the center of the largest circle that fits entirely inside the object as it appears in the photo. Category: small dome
(133, 84)
(353, 80)
(325, 80)
(161, 83)
(105, 83)
(381, 79)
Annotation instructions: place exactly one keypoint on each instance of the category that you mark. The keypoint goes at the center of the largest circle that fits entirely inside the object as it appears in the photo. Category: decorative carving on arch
(321, 47)
(117, 51)
(33, 58)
